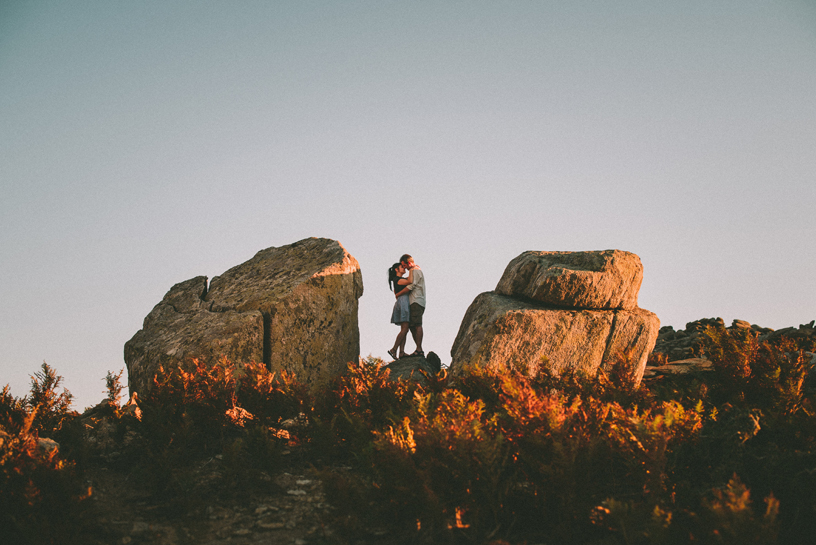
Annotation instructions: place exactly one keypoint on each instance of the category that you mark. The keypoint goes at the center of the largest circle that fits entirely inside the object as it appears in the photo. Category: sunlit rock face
(604, 280)
(293, 307)
(575, 310)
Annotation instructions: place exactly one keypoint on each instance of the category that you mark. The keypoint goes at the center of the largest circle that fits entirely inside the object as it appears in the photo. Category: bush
(41, 492)
(753, 374)
(724, 456)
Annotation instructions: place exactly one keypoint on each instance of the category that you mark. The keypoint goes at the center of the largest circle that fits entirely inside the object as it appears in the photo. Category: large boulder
(603, 280)
(565, 310)
(293, 308)
(501, 332)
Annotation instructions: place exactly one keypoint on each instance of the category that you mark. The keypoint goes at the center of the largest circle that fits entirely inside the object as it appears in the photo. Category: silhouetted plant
(41, 492)
(114, 387)
(50, 407)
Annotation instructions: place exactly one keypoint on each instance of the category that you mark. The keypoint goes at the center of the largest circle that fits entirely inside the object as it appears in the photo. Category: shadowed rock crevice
(267, 339)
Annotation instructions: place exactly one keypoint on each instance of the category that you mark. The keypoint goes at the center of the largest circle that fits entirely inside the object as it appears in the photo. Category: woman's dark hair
(393, 277)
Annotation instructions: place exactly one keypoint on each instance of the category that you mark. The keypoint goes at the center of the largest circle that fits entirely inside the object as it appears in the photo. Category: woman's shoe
(393, 354)
(418, 353)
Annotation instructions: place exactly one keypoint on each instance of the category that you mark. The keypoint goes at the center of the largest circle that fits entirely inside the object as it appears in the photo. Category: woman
(401, 312)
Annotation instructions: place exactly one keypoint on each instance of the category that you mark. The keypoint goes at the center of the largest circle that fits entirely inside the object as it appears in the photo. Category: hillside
(217, 452)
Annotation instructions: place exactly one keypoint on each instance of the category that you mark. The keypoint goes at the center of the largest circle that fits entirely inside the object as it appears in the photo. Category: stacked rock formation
(292, 307)
(574, 310)
(687, 343)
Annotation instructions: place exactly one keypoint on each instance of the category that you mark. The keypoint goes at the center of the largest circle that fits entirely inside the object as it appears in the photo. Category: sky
(145, 143)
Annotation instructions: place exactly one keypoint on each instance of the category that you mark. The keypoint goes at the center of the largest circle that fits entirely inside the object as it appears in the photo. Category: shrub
(268, 396)
(345, 415)
(41, 492)
(52, 409)
(754, 374)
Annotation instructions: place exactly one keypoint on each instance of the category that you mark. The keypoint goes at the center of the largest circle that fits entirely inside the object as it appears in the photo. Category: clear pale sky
(144, 143)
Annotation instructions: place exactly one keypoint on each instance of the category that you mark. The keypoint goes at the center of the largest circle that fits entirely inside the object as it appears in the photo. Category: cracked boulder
(292, 307)
(562, 310)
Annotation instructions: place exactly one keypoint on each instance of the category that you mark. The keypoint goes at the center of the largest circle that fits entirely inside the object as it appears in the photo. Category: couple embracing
(410, 305)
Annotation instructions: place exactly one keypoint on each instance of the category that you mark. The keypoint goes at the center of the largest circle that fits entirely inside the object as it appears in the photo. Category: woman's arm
(407, 281)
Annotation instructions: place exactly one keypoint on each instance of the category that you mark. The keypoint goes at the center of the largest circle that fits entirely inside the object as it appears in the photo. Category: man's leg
(417, 311)
(416, 333)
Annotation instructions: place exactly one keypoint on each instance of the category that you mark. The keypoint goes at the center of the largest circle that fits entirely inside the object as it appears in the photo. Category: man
(416, 298)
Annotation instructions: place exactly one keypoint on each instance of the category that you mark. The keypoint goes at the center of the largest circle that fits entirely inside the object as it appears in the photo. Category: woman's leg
(403, 334)
(399, 342)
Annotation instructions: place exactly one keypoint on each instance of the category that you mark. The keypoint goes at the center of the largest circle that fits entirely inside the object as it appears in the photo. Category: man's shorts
(417, 311)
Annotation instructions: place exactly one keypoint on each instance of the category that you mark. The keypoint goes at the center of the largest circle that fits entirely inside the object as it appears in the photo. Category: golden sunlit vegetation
(720, 456)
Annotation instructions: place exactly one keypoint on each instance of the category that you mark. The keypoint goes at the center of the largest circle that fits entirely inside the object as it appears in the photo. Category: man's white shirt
(417, 288)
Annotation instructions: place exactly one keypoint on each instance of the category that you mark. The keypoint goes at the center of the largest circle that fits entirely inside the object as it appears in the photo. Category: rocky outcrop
(414, 367)
(591, 280)
(680, 344)
(546, 313)
(293, 307)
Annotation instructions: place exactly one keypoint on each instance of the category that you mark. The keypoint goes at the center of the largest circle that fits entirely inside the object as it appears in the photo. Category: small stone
(242, 532)
(261, 510)
(271, 525)
(46, 445)
(303, 482)
(296, 492)
(139, 528)
(126, 540)
(300, 542)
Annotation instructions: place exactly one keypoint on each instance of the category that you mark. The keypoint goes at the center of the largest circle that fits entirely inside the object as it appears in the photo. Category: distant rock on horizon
(564, 310)
(292, 307)
(688, 343)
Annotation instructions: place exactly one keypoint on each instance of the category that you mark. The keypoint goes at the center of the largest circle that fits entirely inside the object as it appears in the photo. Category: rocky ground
(220, 501)
(287, 507)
